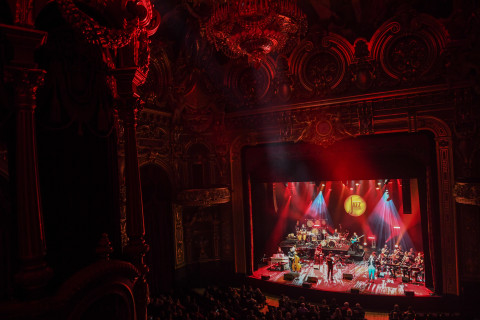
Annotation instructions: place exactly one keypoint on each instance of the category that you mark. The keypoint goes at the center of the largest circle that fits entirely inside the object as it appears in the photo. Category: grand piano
(278, 262)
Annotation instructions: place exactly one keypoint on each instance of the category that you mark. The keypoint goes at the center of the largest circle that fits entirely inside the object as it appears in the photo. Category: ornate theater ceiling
(350, 48)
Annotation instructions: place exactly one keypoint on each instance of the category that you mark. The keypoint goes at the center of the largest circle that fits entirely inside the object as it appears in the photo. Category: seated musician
(324, 234)
(335, 234)
(411, 254)
(406, 264)
(385, 249)
(381, 261)
(419, 267)
(394, 258)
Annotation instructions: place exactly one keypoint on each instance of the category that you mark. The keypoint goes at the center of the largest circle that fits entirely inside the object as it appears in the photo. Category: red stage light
(351, 188)
(371, 238)
(396, 227)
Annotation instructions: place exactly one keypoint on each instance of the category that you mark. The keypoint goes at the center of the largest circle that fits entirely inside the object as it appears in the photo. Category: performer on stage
(335, 234)
(385, 249)
(291, 257)
(354, 241)
(330, 262)
(318, 255)
(324, 234)
(371, 267)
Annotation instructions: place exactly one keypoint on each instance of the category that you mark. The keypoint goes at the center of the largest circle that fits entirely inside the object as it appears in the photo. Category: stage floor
(381, 286)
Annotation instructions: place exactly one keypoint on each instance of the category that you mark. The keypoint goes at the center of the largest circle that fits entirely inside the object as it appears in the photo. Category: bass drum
(332, 244)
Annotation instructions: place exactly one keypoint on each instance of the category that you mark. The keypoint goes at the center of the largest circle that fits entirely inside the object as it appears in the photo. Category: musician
(335, 234)
(371, 266)
(385, 249)
(382, 259)
(419, 259)
(354, 241)
(324, 234)
(406, 265)
(411, 254)
(419, 266)
(330, 262)
(318, 255)
(291, 256)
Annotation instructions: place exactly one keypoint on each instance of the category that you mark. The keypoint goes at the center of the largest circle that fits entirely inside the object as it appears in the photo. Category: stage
(314, 277)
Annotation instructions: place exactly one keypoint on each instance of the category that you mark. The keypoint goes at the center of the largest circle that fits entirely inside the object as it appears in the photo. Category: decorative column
(25, 78)
(128, 106)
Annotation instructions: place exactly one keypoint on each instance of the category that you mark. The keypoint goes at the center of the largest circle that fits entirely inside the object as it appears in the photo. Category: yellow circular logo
(355, 205)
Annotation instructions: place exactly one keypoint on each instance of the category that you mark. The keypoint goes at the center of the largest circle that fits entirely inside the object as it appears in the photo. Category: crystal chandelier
(255, 28)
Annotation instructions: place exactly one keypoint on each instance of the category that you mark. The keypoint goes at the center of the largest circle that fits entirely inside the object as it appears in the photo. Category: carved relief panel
(320, 65)
(408, 48)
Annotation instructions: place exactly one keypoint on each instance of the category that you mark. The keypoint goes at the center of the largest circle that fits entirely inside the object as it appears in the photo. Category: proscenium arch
(444, 156)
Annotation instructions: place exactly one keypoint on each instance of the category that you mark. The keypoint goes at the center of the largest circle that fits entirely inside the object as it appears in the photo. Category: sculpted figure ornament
(325, 130)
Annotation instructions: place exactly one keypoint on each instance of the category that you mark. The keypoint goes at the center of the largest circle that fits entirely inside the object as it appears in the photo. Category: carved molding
(203, 197)
(179, 242)
(409, 45)
(325, 130)
(321, 64)
(467, 193)
(250, 85)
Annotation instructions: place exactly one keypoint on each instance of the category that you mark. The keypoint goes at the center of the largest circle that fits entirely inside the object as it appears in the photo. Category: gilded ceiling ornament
(93, 32)
(325, 130)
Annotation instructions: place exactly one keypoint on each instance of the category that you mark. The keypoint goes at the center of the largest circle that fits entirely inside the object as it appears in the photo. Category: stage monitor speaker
(405, 279)
(409, 293)
(348, 276)
(265, 277)
(407, 202)
(312, 279)
(288, 276)
(355, 291)
(306, 285)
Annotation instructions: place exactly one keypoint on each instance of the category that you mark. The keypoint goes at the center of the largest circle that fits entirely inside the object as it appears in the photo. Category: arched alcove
(157, 207)
(199, 166)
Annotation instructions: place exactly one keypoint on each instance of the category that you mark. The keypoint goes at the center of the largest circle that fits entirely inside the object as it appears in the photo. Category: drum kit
(314, 235)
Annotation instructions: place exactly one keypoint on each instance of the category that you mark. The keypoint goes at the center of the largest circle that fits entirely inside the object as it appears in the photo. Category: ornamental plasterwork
(467, 193)
(325, 130)
(203, 197)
